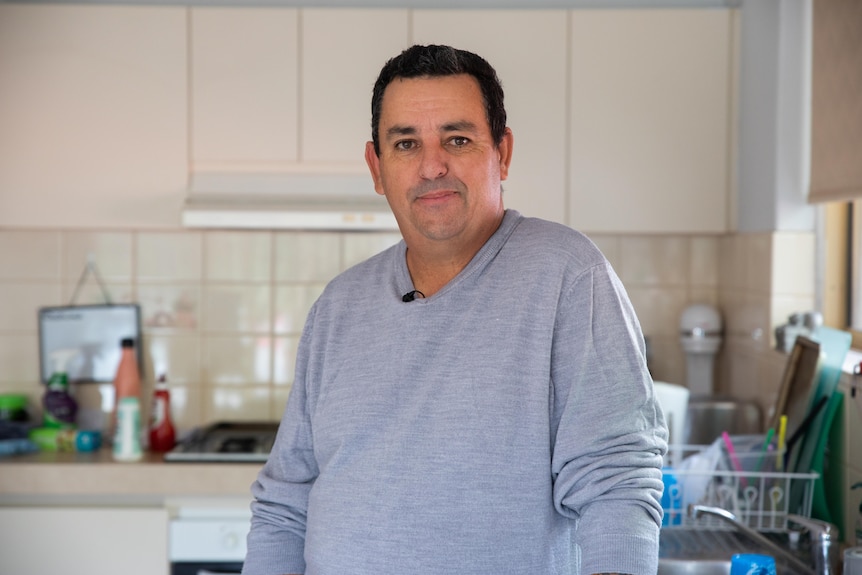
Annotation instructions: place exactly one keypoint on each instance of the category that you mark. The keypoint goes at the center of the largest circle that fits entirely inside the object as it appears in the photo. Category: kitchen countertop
(95, 478)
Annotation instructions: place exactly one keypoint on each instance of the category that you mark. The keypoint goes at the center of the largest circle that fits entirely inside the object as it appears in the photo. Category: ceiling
(467, 4)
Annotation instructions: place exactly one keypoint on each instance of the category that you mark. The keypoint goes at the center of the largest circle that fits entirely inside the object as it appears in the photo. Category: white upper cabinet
(343, 51)
(622, 119)
(93, 115)
(650, 120)
(244, 88)
(528, 50)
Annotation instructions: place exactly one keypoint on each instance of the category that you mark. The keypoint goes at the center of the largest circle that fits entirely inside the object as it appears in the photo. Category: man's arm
(611, 435)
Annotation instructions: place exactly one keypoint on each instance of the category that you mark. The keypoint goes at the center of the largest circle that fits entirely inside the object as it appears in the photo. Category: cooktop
(227, 442)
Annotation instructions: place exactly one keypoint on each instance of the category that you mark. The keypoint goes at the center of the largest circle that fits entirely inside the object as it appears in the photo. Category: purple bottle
(60, 408)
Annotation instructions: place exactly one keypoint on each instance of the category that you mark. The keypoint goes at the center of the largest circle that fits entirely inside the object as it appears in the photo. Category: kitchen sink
(708, 551)
(693, 567)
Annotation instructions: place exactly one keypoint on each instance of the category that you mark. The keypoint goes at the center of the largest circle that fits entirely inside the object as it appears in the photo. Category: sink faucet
(823, 544)
(821, 529)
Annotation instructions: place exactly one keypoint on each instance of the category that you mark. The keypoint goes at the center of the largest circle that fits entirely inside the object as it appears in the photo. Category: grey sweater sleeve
(610, 439)
(276, 541)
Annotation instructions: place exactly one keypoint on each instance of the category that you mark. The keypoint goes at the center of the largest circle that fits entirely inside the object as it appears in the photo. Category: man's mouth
(437, 195)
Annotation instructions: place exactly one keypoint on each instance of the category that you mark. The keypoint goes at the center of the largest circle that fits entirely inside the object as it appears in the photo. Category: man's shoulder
(557, 240)
(366, 273)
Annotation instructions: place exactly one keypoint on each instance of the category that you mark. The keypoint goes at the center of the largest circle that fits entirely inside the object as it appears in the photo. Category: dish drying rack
(758, 495)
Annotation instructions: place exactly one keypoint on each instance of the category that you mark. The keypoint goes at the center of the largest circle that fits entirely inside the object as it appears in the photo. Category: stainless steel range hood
(280, 200)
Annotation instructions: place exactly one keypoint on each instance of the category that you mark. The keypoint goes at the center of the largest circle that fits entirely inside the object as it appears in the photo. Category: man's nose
(433, 162)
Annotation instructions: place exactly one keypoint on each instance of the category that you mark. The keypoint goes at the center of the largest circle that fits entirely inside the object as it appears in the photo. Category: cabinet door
(528, 50)
(244, 88)
(342, 53)
(107, 541)
(92, 115)
(650, 120)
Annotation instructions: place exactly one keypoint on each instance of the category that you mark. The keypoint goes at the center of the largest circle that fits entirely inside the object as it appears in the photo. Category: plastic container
(853, 561)
(13, 408)
(59, 407)
(127, 381)
(66, 440)
(162, 435)
(127, 439)
(758, 495)
(752, 564)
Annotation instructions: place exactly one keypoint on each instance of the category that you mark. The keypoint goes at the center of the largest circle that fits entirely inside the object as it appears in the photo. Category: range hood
(287, 201)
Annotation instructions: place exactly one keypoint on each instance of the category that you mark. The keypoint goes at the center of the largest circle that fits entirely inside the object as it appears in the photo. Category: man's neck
(432, 264)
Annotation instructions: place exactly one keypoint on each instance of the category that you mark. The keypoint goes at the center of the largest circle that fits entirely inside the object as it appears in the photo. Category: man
(475, 399)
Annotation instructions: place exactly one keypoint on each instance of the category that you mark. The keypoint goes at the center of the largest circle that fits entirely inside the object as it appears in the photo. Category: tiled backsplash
(222, 311)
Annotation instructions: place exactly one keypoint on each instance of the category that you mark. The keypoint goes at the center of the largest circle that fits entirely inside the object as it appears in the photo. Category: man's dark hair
(434, 61)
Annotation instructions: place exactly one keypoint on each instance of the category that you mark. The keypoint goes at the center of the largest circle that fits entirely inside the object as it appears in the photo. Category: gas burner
(227, 442)
(238, 445)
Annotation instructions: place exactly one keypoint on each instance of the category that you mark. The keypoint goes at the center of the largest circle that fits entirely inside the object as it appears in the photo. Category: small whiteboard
(93, 334)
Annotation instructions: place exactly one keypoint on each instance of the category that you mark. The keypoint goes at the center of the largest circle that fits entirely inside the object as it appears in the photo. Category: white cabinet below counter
(95, 541)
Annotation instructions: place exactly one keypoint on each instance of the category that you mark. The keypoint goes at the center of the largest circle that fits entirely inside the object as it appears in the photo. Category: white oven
(204, 540)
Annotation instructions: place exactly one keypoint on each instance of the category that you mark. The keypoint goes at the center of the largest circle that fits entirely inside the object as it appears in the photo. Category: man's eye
(459, 141)
(405, 145)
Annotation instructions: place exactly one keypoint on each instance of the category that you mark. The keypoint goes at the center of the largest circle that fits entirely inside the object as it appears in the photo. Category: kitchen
(97, 161)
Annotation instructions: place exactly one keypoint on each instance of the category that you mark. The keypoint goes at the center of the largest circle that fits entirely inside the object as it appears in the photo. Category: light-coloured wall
(763, 278)
(222, 311)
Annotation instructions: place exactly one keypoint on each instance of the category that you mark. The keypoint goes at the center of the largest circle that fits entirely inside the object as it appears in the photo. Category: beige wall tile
(90, 292)
(223, 311)
(177, 356)
(169, 257)
(757, 250)
(236, 308)
(112, 253)
(187, 407)
(238, 256)
(19, 356)
(284, 360)
(240, 361)
(307, 257)
(703, 265)
(292, 304)
(731, 262)
(658, 308)
(176, 307)
(359, 247)
(705, 295)
(793, 264)
(754, 321)
(30, 255)
(742, 371)
(654, 260)
(233, 404)
(20, 303)
(667, 359)
(609, 245)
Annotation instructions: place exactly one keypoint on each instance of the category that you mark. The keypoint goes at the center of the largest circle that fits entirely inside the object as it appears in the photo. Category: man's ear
(373, 162)
(505, 151)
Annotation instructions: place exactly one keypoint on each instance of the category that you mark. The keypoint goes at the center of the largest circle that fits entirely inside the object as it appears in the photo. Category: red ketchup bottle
(162, 434)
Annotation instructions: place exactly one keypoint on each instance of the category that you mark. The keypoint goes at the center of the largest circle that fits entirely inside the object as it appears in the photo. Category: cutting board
(834, 345)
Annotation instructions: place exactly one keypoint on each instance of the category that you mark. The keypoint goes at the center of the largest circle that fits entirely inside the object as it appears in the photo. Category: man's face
(438, 166)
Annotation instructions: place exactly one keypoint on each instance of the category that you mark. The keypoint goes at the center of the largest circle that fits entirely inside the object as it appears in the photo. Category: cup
(752, 564)
(853, 561)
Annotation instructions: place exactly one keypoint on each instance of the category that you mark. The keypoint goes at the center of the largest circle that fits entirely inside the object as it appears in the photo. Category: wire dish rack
(749, 485)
